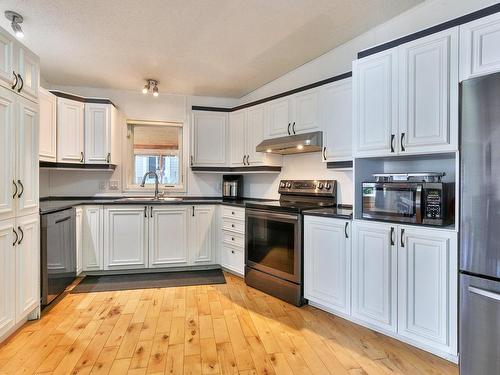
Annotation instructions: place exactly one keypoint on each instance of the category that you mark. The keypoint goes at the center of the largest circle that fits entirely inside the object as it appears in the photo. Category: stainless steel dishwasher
(58, 253)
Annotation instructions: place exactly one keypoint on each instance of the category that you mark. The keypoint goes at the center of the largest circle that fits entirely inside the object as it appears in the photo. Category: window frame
(129, 162)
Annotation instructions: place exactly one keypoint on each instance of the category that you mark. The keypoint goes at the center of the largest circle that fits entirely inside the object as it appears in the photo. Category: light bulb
(17, 28)
(145, 89)
(155, 91)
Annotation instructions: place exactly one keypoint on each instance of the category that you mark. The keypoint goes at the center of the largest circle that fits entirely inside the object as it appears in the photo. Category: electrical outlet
(113, 185)
(102, 185)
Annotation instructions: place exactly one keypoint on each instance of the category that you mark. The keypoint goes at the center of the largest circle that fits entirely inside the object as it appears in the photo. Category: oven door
(393, 201)
(273, 243)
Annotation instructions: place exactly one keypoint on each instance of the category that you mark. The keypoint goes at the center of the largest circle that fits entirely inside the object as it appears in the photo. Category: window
(155, 147)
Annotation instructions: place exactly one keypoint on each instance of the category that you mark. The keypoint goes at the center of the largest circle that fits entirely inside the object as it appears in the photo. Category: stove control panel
(309, 187)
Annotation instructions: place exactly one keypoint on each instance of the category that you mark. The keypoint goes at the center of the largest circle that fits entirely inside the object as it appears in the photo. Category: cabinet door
(79, 239)
(125, 237)
(48, 115)
(374, 267)
(327, 263)
(7, 276)
(209, 139)
(237, 125)
(97, 133)
(336, 108)
(7, 77)
(70, 133)
(8, 183)
(375, 104)
(92, 239)
(203, 231)
(427, 287)
(279, 118)
(479, 52)
(256, 120)
(29, 69)
(168, 236)
(305, 116)
(27, 158)
(27, 265)
(428, 94)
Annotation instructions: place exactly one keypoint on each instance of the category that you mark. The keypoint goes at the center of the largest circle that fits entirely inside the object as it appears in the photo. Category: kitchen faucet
(151, 173)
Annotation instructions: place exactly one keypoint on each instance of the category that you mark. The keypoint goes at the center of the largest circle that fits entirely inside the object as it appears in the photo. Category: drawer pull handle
(232, 251)
(232, 238)
(232, 212)
(484, 293)
(232, 225)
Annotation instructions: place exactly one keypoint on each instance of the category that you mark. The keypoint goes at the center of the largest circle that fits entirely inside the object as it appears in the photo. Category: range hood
(292, 144)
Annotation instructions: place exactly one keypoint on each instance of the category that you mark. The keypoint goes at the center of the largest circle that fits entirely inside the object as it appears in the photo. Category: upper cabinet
(208, 139)
(98, 133)
(48, 116)
(237, 138)
(19, 67)
(406, 98)
(336, 119)
(279, 118)
(70, 131)
(479, 51)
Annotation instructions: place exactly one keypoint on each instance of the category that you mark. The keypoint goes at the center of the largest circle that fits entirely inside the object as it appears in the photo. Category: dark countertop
(339, 212)
(55, 204)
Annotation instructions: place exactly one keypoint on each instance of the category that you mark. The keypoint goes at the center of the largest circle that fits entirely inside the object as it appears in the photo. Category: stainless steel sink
(150, 199)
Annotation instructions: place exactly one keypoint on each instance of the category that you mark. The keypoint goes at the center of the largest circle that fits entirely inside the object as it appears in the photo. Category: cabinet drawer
(233, 259)
(234, 239)
(233, 225)
(233, 212)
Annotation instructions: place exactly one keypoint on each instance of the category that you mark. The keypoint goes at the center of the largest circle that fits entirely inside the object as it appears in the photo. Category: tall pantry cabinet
(19, 217)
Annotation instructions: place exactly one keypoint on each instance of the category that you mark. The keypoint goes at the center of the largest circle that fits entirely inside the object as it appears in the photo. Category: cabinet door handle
(15, 82)
(293, 127)
(402, 237)
(392, 236)
(324, 153)
(22, 235)
(193, 211)
(108, 158)
(248, 157)
(289, 129)
(243, 159)
(392, 142)
(17, 237)
(145, 211)
(22, 83)
(15, 191)
(345, 229)
(191, 160)
(81, 156)
(22, 188)
(402, 145)
(151, 211)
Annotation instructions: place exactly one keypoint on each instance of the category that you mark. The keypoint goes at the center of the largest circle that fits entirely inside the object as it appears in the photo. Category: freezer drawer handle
(484, 293)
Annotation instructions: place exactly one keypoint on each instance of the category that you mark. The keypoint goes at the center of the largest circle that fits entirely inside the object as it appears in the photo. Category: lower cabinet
(19, 270)
(92, 238)
(327, 263)
(232, 239)
(203, 229)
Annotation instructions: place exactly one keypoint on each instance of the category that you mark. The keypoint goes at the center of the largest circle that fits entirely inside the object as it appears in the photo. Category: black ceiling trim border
(431, 30)
(274, 97)
(82, 99)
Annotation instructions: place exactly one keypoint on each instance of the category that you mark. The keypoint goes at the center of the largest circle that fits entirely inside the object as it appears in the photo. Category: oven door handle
(418, 203)
(271, 215)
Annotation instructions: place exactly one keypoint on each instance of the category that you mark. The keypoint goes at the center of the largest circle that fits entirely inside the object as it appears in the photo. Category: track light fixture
(151, 86)
(16, 20)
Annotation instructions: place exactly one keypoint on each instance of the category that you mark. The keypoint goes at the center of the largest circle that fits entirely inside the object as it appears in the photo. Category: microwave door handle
(418, 203)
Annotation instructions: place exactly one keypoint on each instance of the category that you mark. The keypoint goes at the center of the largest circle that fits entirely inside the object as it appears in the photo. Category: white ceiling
(203, 47)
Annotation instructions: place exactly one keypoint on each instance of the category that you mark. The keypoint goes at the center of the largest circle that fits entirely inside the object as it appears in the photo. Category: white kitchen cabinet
(208, 139)
(375, 104)
(7, 74)
(27, 265)
(479, 52)
(203, 225)
(374, 274)
(233, 258)
(70, 131)
(8, 129)
(428, 94)
(279, 118)
(125, 237)
(27, 158)
(427, 287)
(169, 236)
(237, 136)
(98, 127)
(336, 119)
(79, 239)
(7, 276)
(327, 263)
(305, 115)
(28, 68)
(92, 238)
(48, 128)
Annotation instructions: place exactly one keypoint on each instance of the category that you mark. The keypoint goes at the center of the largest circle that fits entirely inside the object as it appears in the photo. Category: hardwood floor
(215, 329)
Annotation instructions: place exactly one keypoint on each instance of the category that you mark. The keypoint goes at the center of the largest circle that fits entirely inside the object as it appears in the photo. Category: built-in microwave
(428, 201)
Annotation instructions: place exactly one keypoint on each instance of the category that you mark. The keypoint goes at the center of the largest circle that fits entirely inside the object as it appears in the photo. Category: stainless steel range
(274, 233)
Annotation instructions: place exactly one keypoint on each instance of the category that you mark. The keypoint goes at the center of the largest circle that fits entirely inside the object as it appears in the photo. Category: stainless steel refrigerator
(480, 226)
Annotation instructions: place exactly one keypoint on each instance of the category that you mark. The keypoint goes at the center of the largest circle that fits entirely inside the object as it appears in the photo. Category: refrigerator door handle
(484, 293)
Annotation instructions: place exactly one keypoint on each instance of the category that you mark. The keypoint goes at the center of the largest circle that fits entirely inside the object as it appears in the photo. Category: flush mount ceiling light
(16, 20)
(151, 86)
